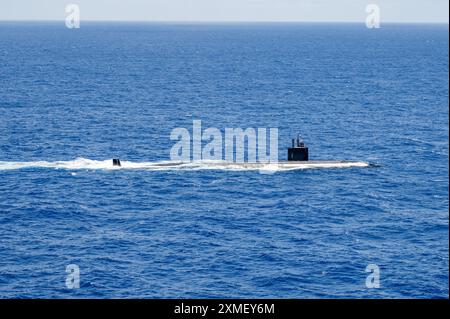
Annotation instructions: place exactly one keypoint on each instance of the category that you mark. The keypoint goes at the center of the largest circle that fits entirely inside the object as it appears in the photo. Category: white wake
(88, 164)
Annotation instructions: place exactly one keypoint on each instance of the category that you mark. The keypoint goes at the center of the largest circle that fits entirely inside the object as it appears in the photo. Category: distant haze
(435, 11)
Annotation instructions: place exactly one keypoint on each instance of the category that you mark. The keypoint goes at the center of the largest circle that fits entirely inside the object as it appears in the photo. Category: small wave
(88, 164)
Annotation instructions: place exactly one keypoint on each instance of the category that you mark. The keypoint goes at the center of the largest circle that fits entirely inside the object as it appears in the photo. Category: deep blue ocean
(118, 89)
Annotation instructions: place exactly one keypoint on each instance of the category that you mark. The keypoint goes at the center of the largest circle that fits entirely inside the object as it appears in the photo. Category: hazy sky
(228, 10)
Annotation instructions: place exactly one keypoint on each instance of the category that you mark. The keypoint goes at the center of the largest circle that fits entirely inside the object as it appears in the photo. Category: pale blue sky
(228, 10)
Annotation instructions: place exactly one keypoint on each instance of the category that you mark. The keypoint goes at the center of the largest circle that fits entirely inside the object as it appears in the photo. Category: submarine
(297, 158)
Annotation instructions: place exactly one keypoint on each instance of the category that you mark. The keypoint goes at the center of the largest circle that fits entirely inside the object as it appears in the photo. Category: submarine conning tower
(298, 151)
(116, 162)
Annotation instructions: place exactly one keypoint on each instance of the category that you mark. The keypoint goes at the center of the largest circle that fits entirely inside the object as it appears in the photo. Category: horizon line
(227, 21)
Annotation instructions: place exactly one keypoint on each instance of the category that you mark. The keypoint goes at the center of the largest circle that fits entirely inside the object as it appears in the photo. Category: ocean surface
(73, 99)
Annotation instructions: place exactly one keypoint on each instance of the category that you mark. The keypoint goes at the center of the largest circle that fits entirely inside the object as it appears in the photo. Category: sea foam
(89, 164)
